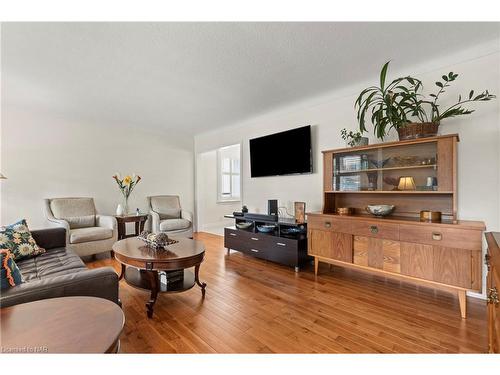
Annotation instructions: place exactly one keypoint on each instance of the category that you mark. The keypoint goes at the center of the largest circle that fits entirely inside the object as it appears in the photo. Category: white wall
(45, 155)
(210, 213)
(478, 150)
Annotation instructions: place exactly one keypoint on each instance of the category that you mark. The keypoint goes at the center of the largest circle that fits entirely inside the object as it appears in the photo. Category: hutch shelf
(412, 175)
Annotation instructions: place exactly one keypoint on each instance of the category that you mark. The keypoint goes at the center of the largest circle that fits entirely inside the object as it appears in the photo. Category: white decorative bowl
(380, 209)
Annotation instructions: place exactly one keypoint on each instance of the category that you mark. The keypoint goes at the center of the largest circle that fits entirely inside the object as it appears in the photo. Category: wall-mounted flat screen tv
(284, 153)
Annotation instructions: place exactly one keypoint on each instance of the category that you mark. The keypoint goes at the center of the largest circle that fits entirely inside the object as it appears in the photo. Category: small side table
(139, 221)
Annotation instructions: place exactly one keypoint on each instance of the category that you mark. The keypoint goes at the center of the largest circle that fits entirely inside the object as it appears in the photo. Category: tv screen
(288, 152)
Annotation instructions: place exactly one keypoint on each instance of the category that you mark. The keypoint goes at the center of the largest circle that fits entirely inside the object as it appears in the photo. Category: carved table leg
(122, 273)
(153, 279)
(197, 279)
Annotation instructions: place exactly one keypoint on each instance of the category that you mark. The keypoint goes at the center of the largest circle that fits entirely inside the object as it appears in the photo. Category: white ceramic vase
(119, 210)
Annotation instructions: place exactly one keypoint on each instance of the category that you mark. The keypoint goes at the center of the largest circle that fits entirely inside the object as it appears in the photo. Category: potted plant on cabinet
(353, 138)
(400, 105)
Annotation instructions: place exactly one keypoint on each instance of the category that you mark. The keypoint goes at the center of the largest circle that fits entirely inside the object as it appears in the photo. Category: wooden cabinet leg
(462, 300)
(316, 265)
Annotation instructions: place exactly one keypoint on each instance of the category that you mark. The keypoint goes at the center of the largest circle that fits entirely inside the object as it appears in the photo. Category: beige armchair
(168, 216)
(87, 233)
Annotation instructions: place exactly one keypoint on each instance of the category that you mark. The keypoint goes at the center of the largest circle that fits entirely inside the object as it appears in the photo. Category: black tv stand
(283, 245)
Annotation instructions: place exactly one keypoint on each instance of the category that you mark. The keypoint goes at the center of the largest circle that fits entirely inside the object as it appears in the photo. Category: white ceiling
(193, 77)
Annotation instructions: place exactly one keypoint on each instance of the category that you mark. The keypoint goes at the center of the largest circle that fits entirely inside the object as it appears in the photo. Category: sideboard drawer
(377, 230)
(441, 236)
(329, 223)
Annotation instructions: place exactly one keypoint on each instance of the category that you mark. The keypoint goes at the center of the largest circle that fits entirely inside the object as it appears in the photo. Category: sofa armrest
(188, 215)
(51, 238)
(106, 221)
(98, 282)
(155, 218)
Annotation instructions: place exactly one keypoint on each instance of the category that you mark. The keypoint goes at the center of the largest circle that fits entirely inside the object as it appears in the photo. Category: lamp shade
(406, 183)
(2, 177)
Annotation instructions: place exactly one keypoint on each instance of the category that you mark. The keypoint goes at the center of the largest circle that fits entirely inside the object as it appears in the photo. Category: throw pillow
(9, 273)
(18, 239)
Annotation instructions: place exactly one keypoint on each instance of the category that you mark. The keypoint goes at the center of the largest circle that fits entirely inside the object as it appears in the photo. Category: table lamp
(406, 183)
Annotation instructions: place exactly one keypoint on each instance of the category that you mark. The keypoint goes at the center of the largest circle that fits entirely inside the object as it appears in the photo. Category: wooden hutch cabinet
(445, 255)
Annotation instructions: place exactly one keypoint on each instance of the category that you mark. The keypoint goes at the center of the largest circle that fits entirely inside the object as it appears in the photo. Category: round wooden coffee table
(146, 268)
(62, 325)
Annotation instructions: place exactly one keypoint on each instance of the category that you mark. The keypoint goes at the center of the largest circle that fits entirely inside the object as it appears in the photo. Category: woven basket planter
(414, 130)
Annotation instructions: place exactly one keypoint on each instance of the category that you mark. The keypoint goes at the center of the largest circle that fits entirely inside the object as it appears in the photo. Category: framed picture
(300, 212)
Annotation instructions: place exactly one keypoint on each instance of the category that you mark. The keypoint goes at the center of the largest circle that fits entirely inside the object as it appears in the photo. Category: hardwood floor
(253, 306)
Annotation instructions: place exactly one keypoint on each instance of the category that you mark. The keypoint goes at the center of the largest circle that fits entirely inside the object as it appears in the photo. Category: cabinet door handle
(232, 234)
(254, 239)
(254, 250)
(436, 236)
(374, 229)
(328, 224)
(280, 244)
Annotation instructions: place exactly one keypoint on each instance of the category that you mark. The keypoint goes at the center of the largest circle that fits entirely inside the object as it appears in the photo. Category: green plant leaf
(471, 94)
(383, 73)
(439, 84)
(445, 78)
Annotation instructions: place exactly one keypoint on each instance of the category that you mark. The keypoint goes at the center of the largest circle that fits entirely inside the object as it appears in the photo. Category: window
(229, 173)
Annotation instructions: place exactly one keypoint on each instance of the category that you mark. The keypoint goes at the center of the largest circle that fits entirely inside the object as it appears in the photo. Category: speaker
(272, 207)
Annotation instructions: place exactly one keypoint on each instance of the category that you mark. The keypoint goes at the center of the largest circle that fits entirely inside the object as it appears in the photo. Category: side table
(139, 221)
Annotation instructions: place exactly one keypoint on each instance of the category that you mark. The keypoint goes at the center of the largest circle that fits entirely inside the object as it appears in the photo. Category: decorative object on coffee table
(156, 240)
(143, 267)
(2, 177)
(139, 220)
(62, 325)
(126, 186)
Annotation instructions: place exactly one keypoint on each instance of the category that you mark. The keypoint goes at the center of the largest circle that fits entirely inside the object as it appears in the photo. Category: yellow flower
(127, 180)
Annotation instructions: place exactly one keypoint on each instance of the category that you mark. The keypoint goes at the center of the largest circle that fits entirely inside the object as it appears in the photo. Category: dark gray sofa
(59, 272)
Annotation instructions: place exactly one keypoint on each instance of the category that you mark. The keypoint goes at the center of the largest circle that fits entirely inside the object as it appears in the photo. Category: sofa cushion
(167, 206)
(89, 234)
(174, 224)
(9, 272)
(56, 262)
(78, 212)
(18, 239)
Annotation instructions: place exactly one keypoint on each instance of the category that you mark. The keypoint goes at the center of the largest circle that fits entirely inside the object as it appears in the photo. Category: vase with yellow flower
(126, 186)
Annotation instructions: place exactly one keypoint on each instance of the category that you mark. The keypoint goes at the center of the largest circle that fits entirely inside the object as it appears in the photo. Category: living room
(250, 187)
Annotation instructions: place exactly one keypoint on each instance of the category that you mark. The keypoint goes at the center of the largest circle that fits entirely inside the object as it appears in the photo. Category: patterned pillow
(9, 273)
(18, 239)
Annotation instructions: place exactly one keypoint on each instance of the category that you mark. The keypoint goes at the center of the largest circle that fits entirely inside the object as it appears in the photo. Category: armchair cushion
(167, 206)
(174, 224)
(78, 212)
(89, 234)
